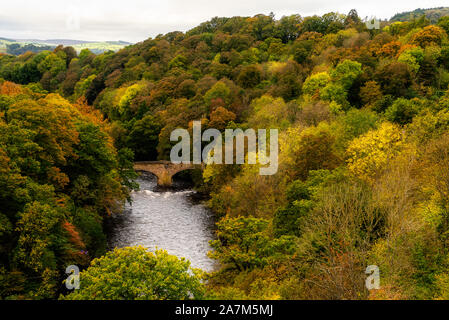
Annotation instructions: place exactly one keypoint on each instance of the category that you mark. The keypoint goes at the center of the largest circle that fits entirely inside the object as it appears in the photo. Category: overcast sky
(136, 20)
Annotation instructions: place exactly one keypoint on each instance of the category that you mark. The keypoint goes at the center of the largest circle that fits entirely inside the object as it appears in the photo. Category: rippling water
(167, 219)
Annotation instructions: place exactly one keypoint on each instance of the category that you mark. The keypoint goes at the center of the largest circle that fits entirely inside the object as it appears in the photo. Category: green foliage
(355, 123)
(313, 148)
(402, 110)
(301, 199)
(249, 77)
(144, 137)
(287, 220)
(219, 91)
(269, 113)
(244, 243)
(136, 274)
(443, 23)
(412, 57)
(395, 79)
(346, 72)
(314, 83)
(60, 174)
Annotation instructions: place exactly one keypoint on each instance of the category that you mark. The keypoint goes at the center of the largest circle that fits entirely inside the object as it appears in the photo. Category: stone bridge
(164, 170)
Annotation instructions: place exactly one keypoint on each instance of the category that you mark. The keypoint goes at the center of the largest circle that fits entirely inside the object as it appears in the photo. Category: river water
(173, 220)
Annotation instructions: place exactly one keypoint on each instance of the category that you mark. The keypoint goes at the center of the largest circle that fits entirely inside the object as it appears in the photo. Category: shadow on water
(172, 219)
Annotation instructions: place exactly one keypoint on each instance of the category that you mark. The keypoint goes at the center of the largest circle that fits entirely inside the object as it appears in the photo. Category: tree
(268, 113)
(219, 90)
(352, 19)
(370, 92)
(443, 23)
(288, 27)
(302, 50)
(40, 226)
(335, 92)
(413, 57)
(395, 79)
(50, 129)
(288, 81)
(313, 24)
(178, 62)
(244, 244)
(51, 67)
(290, 219)
(186, 89)
(143, 138)
(309, 149)
(346, 72)
(353, 124)
(428, 72)
(402, 110)
(250, 76)
(59, 175)
(134, 273)
(430, 35)
(338, 236)
(220, 117)
(370, 153)
(314, 83)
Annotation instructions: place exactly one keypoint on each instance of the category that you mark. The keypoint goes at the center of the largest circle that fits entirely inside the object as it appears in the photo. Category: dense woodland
(364, 150)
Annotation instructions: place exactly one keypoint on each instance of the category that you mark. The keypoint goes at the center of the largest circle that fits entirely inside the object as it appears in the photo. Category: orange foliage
(75, 238)
(386, 292)
(89, 112)
(220, 117)
(430, 35)
(10, 89)
(390, 49)
(95, 116)
(58, 178)
(405, 47)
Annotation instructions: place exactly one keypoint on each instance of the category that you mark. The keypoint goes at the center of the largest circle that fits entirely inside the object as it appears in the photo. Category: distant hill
(100, 47)
(6, 39)
(432, 14)
(64, 42)
(70, 42)
(4, 42)
(17, 49)
(36, 45)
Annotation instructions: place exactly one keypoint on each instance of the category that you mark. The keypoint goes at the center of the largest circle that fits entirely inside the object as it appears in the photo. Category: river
(173, 220)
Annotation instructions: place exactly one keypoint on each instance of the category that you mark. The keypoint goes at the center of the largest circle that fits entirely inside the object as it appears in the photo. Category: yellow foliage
(370, 153)
(275, 66)
(313, 148)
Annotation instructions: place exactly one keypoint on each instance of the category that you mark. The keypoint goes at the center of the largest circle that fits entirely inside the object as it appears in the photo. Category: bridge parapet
(164, 170)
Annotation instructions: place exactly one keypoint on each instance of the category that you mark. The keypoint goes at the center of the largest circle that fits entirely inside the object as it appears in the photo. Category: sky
(137, 20)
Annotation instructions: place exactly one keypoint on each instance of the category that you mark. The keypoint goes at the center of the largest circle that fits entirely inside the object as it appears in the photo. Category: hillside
(433, 14)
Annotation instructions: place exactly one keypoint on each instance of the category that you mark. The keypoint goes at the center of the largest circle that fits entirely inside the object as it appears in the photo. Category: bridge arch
(164, 170)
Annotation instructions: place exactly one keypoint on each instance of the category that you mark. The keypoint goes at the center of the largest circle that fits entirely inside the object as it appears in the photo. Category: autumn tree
(369, 153)
(134, 273)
